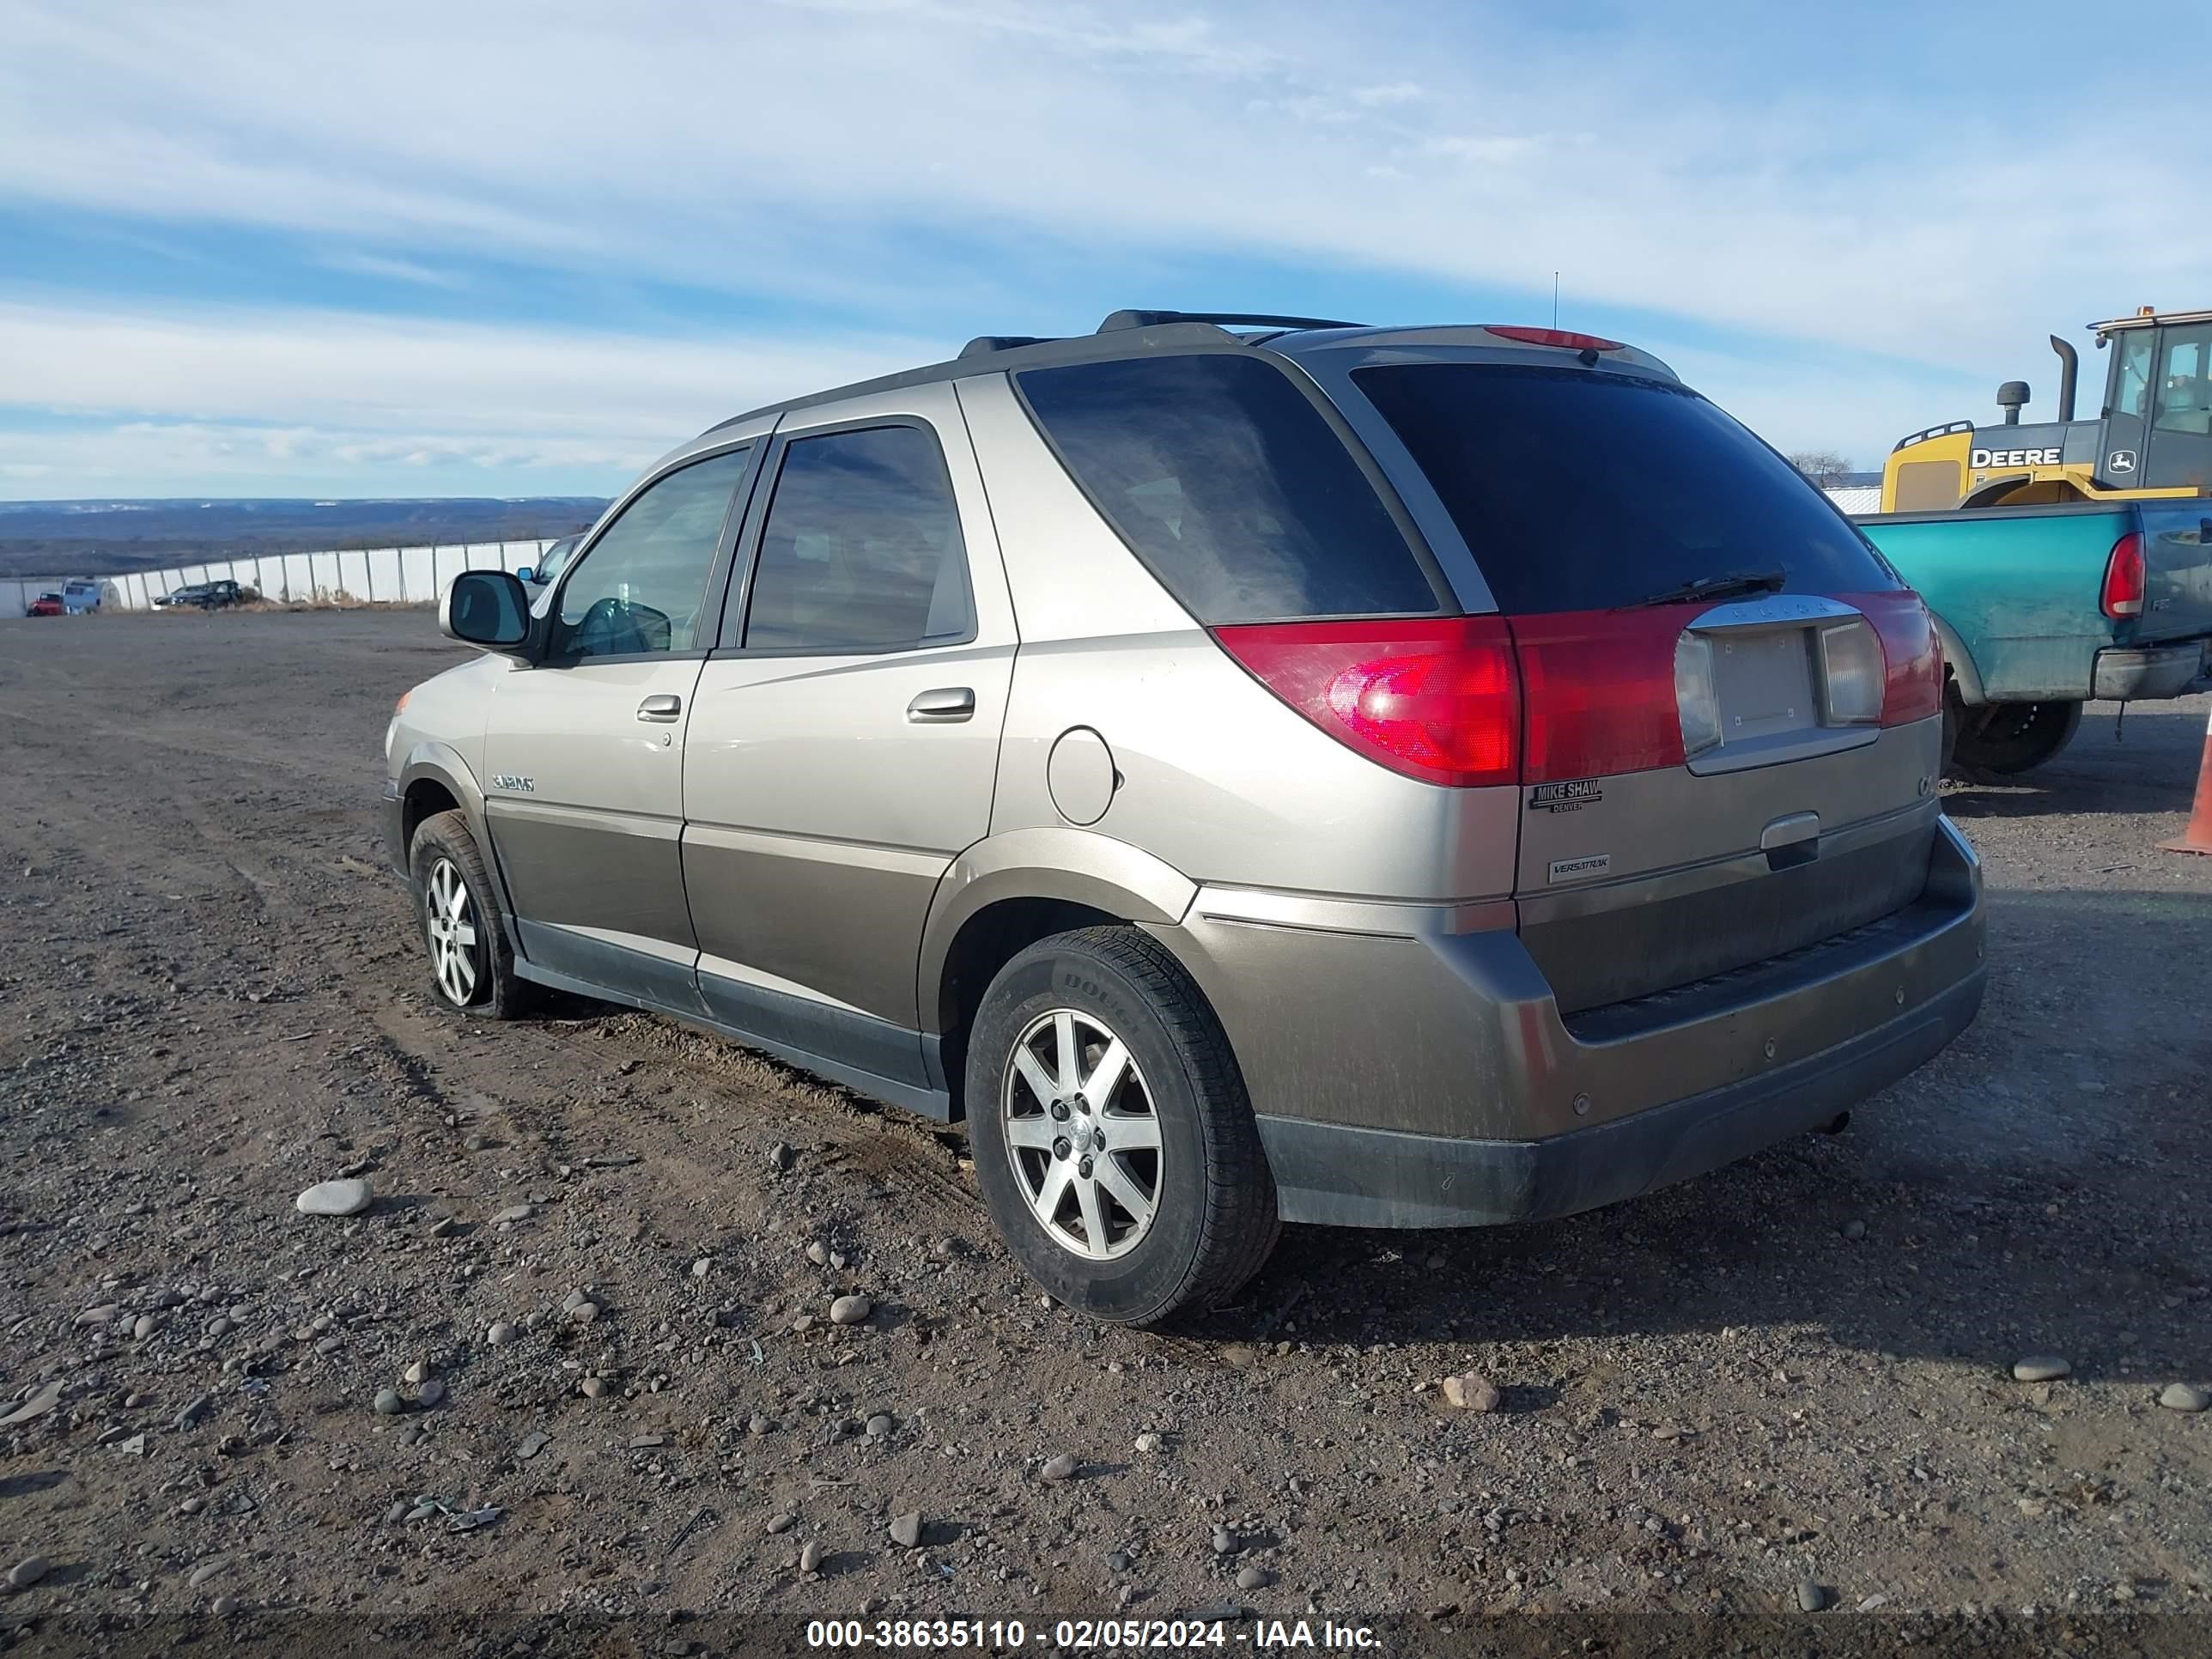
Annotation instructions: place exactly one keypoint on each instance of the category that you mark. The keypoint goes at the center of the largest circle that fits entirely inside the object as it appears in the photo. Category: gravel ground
(597, 1271)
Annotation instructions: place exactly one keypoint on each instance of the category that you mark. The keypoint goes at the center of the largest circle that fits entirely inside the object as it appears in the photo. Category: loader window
(2185, 389)
(2131, 375)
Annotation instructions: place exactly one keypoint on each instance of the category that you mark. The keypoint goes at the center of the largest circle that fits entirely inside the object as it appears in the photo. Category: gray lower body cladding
(1435, 1052)
(1337, 1175)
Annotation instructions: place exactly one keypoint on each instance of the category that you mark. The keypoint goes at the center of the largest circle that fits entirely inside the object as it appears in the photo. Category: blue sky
(490, 248)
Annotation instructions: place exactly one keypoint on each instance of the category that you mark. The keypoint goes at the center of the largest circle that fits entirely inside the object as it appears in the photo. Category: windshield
(1580, 491)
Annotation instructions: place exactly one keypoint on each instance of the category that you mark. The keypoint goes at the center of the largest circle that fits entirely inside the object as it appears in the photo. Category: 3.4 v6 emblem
(508, 780)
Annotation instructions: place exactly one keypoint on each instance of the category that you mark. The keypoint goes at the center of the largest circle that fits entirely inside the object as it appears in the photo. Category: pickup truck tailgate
(2177, 571)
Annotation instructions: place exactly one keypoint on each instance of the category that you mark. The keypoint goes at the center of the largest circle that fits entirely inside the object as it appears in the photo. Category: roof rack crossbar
(1122, 319)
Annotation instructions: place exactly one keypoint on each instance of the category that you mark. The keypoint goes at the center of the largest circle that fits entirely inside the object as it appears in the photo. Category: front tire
(1111, 1130)
(472, 964)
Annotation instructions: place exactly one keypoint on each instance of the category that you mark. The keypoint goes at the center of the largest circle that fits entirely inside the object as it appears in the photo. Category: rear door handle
(663, 708)
(946, 704)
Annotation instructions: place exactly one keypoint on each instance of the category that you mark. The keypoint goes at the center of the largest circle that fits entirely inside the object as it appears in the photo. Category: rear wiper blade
(1715, 587)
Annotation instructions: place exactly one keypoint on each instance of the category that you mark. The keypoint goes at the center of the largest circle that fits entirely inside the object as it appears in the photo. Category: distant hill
(104, 537)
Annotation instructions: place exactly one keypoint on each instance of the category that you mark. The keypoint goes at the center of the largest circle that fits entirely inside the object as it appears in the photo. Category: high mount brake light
(2124, 578)
(1435, 700)
(1554, 337)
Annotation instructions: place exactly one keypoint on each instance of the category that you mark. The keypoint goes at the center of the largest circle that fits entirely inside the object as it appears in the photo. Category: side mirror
(527, 576)
(488, 609)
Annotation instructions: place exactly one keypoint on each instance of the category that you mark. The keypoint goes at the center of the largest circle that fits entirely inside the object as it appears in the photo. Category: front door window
(640, 589)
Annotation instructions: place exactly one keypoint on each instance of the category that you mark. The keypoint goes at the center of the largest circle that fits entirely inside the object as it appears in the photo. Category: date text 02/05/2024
(1080, 1635)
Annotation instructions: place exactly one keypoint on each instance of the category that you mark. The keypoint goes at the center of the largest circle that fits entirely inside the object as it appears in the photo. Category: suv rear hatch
(1729, 703)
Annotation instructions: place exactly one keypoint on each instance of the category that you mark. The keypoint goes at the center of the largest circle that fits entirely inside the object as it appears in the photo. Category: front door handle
(663, 708)
(946, 704)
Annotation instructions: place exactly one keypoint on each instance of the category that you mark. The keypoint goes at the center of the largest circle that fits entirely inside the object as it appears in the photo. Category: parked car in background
(550, 562)
(206, 596)
(1252, 769)
(80, 598)
(46, 605)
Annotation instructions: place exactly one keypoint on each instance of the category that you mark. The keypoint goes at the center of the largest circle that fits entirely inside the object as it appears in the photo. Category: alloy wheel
(450, 913)
(1082, 1134)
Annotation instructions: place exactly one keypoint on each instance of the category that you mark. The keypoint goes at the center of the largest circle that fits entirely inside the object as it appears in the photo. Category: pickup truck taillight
(2124, 578)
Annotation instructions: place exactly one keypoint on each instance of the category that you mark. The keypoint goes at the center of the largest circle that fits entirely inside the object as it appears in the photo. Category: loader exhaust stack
(2070, 371)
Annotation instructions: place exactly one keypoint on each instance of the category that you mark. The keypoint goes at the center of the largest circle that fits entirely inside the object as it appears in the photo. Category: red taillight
(1552, 336)
(1436, 701)
(1600, 688)
(2123, 577)
(1912, 684)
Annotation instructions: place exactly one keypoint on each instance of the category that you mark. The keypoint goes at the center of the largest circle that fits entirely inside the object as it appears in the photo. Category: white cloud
(321, 395)
(386, 268)
(794, 146)
(1394, 92)
(908, 160)
(382, 373)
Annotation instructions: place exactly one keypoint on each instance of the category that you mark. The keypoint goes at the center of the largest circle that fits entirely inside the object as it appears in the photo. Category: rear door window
(1580, 491)
(1224, 479)
(862, 549)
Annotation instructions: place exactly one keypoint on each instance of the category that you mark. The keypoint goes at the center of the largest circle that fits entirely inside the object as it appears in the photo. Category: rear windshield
(1224, 479)
(1576, 491)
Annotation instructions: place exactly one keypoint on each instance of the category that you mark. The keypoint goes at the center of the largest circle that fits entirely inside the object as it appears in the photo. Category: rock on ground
(334, 1198)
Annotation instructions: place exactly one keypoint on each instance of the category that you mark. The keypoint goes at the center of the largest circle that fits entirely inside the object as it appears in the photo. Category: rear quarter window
(1577, 490)
(1226, 481)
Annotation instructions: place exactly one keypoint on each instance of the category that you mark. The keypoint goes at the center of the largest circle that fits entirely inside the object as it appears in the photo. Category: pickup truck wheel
(2008, 738)
(472, 964)
(1112, 1134)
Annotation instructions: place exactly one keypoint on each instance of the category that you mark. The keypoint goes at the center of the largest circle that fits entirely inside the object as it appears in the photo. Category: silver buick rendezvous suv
(1250, 768)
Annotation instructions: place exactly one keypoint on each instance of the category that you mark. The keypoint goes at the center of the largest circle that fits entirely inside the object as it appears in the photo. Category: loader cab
(2158, 402)
(2151, 438)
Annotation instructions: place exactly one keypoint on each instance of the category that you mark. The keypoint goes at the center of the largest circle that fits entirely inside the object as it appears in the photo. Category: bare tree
(1823, 466)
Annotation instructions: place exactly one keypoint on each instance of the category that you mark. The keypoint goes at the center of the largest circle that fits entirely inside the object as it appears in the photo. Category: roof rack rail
(984, 344)
(1121, 319)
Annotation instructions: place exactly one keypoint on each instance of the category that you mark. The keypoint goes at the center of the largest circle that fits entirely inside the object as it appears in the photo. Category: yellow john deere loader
(2152, 442)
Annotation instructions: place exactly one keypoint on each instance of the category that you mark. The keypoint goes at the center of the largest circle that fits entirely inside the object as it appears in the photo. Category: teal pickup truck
(2042, 608)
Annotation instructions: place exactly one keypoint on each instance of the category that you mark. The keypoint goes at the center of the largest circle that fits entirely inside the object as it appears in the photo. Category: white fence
(408, 575)
(384, 575)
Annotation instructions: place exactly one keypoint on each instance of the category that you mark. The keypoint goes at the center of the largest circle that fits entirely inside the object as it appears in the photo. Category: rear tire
(463, 930)
(2005, 739)
(1155, 1198)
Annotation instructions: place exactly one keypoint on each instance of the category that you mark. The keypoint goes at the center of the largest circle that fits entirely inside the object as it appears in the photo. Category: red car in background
(46, 605)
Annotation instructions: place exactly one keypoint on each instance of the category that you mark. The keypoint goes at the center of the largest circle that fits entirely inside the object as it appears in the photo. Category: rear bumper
(1429, 1079)
(2150, 673)
(1352, 1177)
